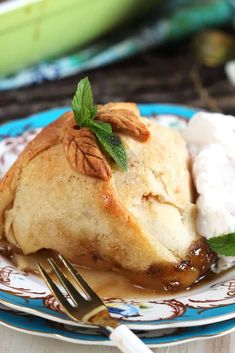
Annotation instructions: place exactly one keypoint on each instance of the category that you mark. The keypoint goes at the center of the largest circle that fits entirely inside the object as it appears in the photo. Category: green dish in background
(35, 30)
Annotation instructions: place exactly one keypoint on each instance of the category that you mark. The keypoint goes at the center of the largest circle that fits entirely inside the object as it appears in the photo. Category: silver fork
(84, 305)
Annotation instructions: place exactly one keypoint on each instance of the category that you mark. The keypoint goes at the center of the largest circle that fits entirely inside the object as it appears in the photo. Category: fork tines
(85, 302)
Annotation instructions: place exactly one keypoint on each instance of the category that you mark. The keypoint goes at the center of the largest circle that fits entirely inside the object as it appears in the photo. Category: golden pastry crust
(139, 222)
(125, 121)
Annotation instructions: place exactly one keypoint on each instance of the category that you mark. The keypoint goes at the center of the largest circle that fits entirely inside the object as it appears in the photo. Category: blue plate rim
(41, 327)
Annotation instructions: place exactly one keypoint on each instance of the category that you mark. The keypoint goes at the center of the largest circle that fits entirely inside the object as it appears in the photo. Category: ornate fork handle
(127, 341)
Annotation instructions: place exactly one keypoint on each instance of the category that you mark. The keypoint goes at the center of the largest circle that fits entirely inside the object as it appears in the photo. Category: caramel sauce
(107, 284)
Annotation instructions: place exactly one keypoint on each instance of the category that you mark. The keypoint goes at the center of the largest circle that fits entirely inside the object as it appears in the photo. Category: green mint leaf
(85, 112)
(223, 244)
(101, 125)
(113, 145)
(82, 103)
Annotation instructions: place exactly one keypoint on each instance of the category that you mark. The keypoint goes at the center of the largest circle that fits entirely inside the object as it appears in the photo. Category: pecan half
(84, 155)
(125, 121)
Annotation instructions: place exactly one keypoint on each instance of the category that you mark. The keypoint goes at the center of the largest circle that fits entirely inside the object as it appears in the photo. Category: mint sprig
(85, 112)
(82, 103)
(113, 145)
(223, 244)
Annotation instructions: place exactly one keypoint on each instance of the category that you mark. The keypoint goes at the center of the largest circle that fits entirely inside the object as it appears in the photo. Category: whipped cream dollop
(210, 139)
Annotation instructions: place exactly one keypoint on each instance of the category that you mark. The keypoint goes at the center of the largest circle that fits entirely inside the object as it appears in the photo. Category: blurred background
(176, 51)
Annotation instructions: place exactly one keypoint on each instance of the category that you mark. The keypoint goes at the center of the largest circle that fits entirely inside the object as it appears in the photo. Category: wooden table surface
(168, 75)
(15, 342)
